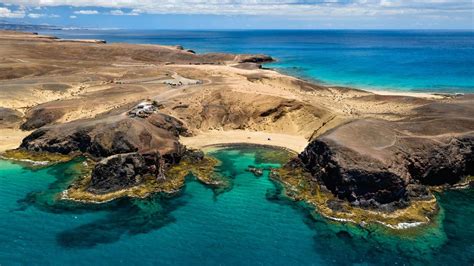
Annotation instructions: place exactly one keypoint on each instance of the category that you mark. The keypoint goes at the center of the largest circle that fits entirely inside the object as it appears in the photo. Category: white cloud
(35, 15)
(294, 8)
(87, 12)
(73, 17)
(118, 12)
(8, 13)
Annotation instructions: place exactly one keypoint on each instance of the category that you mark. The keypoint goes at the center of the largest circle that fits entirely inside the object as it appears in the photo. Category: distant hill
(6, 25)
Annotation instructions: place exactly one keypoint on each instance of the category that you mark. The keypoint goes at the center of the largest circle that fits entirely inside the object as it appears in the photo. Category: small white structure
(143, 109)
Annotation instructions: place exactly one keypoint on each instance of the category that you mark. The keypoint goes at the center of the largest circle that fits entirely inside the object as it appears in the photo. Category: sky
(242, 14)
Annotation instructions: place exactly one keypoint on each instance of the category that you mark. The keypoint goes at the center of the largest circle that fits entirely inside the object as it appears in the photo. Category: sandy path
(291, 142)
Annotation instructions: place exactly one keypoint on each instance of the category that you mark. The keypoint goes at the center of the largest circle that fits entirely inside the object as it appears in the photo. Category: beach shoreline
(378, 91)
(426, 95)
(236, 137)
(11, 138)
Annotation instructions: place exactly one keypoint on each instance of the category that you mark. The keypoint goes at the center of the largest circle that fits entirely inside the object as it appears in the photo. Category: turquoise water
(427, 61)
(252, 224)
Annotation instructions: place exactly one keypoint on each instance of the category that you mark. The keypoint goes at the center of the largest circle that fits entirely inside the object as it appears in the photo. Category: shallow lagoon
(249, 224)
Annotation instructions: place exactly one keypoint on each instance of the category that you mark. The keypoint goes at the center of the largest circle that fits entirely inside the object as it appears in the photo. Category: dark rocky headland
(371, 161)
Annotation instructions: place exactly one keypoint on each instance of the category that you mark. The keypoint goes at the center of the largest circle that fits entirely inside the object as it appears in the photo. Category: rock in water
(258, 172)
(378, 161)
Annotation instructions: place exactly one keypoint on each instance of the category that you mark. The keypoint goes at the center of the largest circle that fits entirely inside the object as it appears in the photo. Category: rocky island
(141, 113)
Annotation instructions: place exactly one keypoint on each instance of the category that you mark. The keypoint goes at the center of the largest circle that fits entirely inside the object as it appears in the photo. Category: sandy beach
(427, 95)
(215, 137)
(11, 138)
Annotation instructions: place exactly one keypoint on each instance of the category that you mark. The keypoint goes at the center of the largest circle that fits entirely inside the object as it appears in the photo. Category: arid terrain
(147, 105)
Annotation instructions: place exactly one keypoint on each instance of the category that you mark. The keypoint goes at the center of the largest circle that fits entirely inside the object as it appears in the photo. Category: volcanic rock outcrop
(372, 161)
(123, 171)
(127, 148)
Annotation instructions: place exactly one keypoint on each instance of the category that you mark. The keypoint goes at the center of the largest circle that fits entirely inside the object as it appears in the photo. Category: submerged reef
(200, 166)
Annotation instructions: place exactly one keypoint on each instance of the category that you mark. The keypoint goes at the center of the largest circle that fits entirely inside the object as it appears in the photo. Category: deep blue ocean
(426, 61)
(251, 224)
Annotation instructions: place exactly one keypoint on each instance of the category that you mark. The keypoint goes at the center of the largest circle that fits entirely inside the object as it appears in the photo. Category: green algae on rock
(299, 186)
(173, 179)
(85, 230)
(203, 170)
(78, 191)
(34, 158)
(274, 154)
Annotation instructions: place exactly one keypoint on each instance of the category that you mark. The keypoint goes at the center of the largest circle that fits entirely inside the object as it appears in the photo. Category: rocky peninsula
(140, 114)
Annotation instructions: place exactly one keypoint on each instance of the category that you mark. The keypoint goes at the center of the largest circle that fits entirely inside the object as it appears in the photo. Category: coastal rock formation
(127, 148)
(373, 161)
(258, 172)
(123, 171)
(254, 58)
(108, 136)
(9, 118)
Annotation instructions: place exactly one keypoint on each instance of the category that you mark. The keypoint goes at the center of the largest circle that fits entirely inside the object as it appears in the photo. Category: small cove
(252, 223)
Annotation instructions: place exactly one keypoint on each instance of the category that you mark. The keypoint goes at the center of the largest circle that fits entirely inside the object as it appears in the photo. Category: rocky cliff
(371, 161)
(126, 148)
